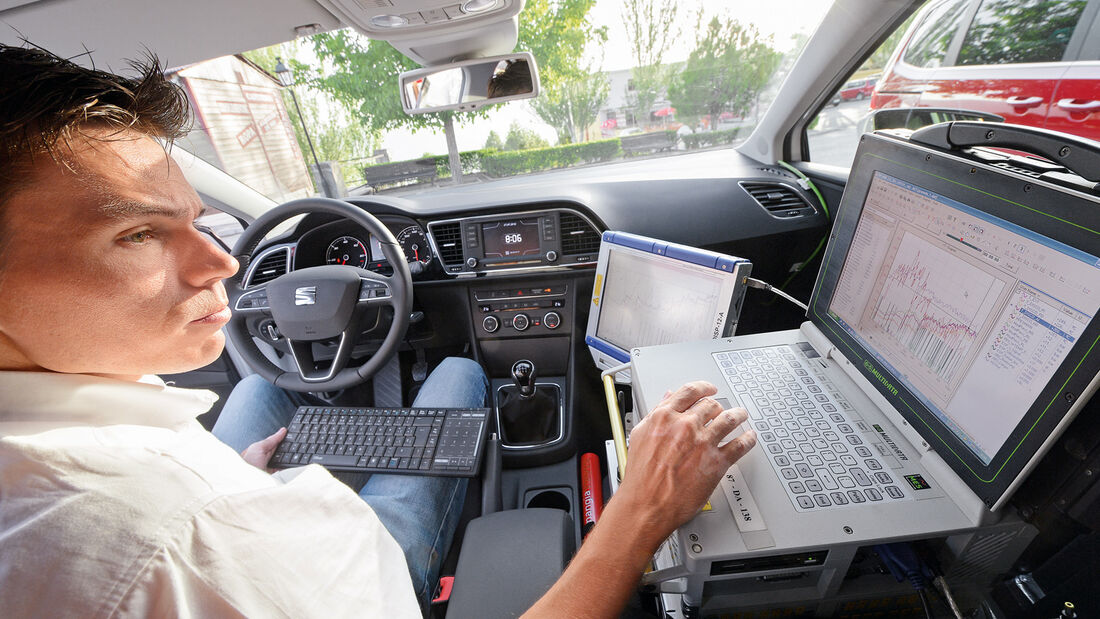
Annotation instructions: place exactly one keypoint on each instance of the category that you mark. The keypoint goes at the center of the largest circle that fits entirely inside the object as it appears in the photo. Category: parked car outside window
(1031, 62)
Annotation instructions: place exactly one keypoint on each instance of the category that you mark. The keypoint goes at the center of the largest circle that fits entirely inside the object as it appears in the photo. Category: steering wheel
(318, 303)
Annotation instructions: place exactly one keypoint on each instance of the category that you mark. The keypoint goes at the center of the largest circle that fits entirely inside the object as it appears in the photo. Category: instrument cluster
(343, 242)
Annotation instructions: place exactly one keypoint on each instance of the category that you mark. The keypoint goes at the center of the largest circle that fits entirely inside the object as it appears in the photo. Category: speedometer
(347, 250)
(415, 245)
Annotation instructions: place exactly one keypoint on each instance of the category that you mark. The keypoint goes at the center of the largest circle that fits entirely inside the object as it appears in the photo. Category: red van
(1034, 62)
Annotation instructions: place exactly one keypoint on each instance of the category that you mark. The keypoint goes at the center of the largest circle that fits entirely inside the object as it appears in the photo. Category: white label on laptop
(745, 512)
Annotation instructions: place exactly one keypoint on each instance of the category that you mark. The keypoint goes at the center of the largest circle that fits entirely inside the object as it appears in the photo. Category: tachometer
(347, 250)
(415, 245)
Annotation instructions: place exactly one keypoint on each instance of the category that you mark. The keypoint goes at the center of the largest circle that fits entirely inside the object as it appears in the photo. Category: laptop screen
(974, 314)
(969, 297)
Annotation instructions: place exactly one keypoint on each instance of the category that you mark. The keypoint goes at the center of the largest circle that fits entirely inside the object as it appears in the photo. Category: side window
(1015, 31)
(930, 41)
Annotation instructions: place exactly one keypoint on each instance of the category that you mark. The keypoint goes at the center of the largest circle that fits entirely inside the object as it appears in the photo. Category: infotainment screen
(510, 238)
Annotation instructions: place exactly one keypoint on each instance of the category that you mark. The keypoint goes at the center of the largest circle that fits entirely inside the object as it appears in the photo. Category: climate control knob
(521, 322)
(552, 320)
(490, 324)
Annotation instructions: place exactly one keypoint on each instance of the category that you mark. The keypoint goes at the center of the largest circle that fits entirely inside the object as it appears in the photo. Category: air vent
(448, 239)
(271, 265)
(578, 236)
(775, 171)
(779, 200)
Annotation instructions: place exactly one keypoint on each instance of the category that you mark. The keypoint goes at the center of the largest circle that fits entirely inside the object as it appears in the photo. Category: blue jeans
(421, 513)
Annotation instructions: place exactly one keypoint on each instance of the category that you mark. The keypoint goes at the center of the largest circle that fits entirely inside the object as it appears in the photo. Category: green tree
(573, 104)
(494, 141)
(520, 138)
(651, 27)
(557, 32)
(724, 73)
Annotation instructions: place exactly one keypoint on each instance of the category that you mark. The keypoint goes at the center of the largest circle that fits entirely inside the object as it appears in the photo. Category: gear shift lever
(528, 415)
(523, 374)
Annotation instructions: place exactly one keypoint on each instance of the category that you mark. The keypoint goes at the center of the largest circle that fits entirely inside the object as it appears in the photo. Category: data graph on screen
(647, 303)
(933, 305)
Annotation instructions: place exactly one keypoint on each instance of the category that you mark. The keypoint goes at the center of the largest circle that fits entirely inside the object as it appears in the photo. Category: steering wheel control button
(552, 320)
(255, 300)
(369, 289)
(491, 324)
(270, 331)
(520, 322)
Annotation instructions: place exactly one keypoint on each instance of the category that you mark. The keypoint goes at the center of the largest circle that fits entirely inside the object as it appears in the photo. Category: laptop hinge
(816, 338)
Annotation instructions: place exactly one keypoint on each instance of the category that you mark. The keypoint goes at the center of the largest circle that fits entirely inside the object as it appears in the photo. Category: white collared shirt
(114, 501)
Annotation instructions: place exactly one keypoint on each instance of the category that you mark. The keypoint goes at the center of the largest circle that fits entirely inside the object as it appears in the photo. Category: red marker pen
(591, 492)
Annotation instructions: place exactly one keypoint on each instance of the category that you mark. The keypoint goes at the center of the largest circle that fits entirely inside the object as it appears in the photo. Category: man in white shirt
(113, 500)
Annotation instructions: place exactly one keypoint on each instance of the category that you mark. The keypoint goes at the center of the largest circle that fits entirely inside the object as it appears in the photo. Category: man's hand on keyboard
(258, 454)
(675, 461)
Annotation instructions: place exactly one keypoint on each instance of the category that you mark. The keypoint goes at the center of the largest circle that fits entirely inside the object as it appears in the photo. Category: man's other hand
(258, 454)
(675, 461)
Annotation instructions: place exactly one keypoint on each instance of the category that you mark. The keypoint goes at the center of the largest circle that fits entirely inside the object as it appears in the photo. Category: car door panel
(1076, 102)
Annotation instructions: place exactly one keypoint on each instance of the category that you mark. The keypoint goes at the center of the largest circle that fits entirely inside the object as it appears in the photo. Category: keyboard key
(894, 492)
(814, 460)
(804, 470)
(330, 460)
(860, 477)
(872, 464)
(782, 461)
(804, 502)
(845, 481)
(788, 473)
(827, 480)
(863, 452)
(813, 485)
(883, 478)
(839, 498)
(856, 496)
(872, 494)
(822, 500)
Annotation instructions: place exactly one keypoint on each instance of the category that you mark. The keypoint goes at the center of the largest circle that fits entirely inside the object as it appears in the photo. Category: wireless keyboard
(445, 442)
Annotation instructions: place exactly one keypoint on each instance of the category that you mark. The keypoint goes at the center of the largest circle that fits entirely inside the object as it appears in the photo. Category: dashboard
(514, 241)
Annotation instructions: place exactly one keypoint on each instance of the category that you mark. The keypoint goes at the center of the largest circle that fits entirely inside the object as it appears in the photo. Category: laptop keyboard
(816, 443)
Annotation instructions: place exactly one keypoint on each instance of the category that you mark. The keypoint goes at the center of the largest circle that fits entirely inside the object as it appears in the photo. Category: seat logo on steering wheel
(306, 295)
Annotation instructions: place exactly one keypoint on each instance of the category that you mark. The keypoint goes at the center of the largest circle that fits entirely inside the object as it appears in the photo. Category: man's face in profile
(104, 271)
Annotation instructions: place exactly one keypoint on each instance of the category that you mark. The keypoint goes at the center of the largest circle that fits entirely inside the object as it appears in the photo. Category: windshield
(620, 80)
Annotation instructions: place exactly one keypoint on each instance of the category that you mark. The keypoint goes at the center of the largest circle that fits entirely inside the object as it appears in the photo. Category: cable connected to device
(752, 282)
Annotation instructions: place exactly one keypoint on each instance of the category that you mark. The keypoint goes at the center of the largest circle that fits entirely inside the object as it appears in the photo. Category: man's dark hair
(47, 100)
(515, 79)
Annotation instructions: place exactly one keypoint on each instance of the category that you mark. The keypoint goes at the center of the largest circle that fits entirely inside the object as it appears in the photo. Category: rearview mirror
(470, 84)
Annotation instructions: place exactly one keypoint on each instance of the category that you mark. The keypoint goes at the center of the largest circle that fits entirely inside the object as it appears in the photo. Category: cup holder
(551, 498)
